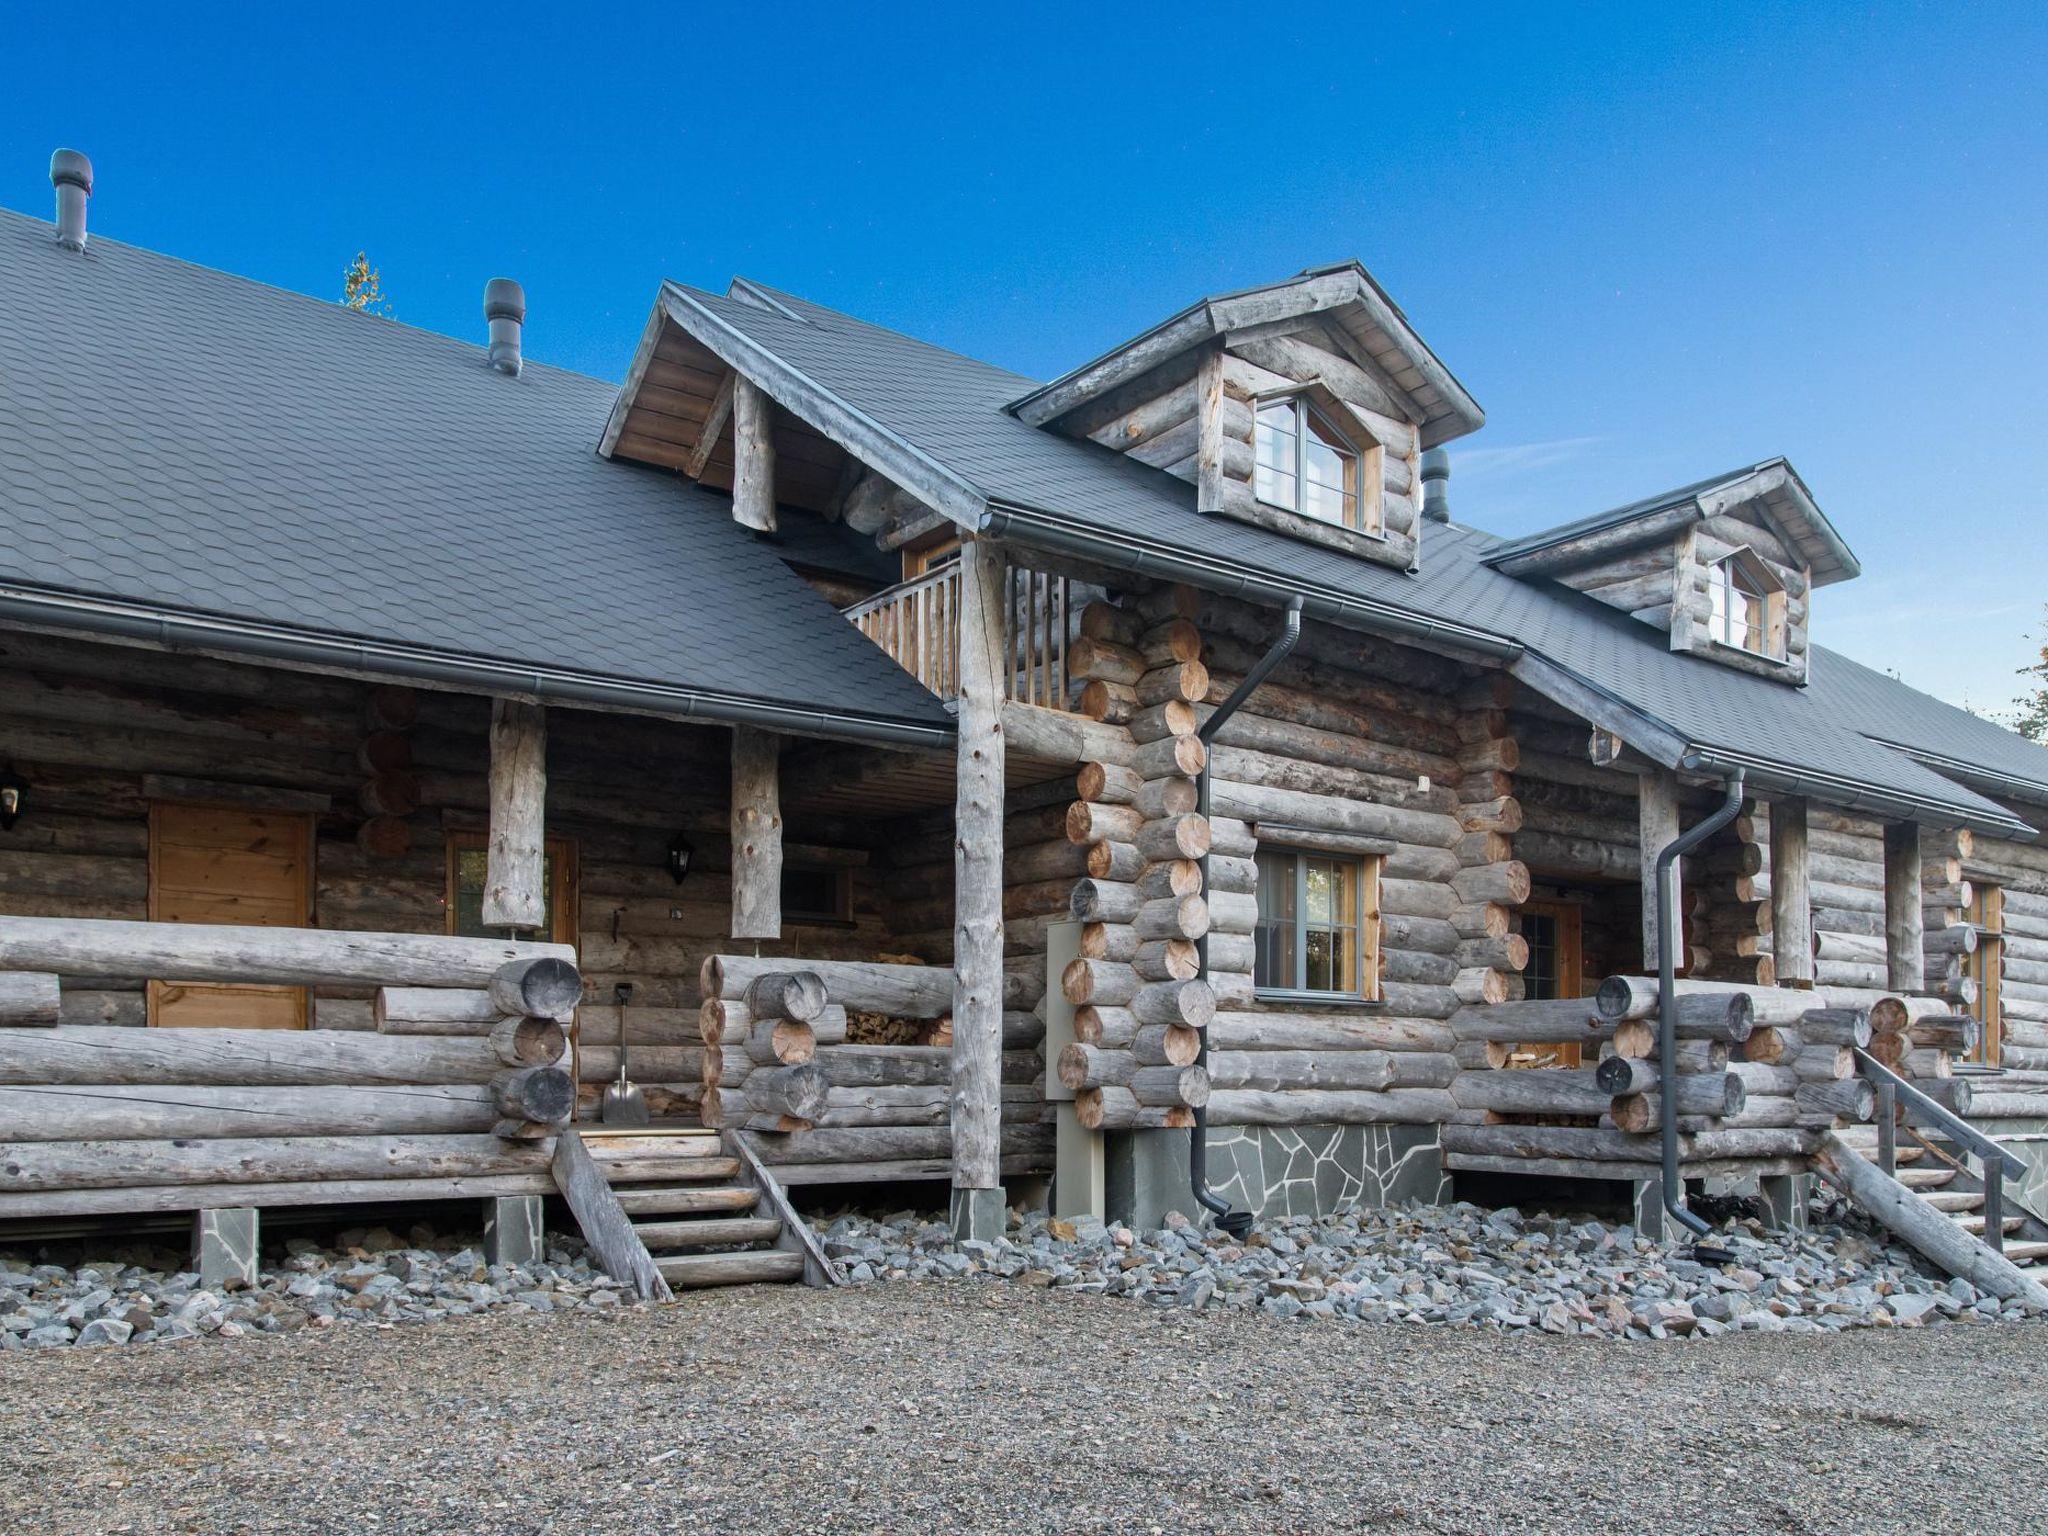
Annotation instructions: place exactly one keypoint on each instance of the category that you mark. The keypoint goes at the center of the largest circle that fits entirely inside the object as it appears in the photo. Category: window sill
(1758, 658)
(1377, 547)
(1334, 1001)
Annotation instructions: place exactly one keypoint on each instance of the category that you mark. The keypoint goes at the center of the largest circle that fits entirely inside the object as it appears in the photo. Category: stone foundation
(1316, 1170)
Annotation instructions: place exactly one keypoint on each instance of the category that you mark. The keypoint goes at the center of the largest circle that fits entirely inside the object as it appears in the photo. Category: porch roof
(193, 456)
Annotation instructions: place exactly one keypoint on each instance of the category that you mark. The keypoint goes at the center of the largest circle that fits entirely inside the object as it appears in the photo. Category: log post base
(1784, 1196)
(979, 1215)
(1648, 1213)
(1146, 1176)
(513, 1234)
(226, 1247)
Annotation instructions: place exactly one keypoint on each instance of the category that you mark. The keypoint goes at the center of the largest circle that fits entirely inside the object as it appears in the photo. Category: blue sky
(1654, 241)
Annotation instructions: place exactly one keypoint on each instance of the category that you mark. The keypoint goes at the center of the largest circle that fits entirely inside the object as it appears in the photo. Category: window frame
(1741, 570)
(1368, 467)
(841, 915)
(564, 883)
(1986, 968)
(1365, 933)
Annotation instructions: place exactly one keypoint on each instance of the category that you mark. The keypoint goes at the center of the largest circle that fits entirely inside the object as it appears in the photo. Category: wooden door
(226, 864)
(1556, 968)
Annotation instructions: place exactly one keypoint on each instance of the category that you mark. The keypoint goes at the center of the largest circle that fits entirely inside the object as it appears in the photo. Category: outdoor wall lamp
(12, 792)
(679, 855)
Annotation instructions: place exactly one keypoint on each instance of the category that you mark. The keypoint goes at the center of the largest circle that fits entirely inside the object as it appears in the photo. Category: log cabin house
(918, 771)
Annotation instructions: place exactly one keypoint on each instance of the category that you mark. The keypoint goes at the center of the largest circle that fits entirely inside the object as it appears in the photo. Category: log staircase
(1941, 1176)
(689, 1205)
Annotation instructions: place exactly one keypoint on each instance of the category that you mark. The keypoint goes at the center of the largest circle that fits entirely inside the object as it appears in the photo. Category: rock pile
(139, 1295)
(1456, 1265)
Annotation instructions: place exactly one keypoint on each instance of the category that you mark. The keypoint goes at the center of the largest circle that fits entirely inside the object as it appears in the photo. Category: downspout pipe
(1667, 997)
(1237, 1223)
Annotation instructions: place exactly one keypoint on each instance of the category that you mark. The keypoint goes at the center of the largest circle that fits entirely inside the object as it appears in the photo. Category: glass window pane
(1320, 975)
(1326, 505)
(1539, 977)
(1322, 464)
(1344, 960)
(1316, 887)
(1272, 486)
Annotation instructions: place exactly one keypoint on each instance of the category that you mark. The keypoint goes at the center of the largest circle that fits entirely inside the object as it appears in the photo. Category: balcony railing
(918, 623)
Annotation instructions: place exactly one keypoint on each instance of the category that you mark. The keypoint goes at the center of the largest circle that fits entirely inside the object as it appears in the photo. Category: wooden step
(757, 1266)
(687, 1202)
(666, 1134)
(668, 1170)
(1977, 1224)
(2026, 1253)
(1954, 1199)
(1926, 1178)
(730, 1230)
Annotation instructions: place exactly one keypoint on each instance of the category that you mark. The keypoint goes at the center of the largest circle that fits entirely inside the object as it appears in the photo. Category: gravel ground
(934, 1406)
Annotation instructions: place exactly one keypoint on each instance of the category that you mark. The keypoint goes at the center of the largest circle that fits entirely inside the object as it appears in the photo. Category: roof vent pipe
(505, 309)
(71, 175)
(1436, 486)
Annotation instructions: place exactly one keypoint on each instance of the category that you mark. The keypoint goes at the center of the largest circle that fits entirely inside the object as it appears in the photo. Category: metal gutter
(1850, 794)
(1941, 762)
(1004, 520)
(106, 619)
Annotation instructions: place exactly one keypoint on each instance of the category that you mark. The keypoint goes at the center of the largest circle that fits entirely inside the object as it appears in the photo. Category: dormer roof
(1344, 295)
(1773, 484)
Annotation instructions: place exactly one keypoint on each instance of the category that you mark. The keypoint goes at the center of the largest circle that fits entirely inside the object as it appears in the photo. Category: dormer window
(1303, 463)
(1746, 605)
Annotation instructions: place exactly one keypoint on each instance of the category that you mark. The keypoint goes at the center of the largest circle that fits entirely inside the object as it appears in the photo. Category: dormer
(1302, 408)
(1726, 567)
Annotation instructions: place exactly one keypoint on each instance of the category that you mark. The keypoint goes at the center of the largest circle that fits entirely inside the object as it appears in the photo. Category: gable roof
(1773, 483)
(192, 455)
(936, 423)
(1345, 294)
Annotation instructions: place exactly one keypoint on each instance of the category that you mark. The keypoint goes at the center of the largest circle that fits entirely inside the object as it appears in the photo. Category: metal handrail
(1929, 1113)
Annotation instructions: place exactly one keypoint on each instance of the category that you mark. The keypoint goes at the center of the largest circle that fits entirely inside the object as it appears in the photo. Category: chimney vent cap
(504, 300)
(70, 168)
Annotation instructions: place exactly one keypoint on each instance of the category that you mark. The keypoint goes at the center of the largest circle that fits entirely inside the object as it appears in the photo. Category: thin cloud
(1521, 458)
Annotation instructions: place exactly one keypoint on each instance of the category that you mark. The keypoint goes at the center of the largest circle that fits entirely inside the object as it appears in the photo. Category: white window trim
(1371, 522)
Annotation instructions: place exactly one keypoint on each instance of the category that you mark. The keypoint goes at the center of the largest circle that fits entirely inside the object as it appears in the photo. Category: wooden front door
(226, 864)
(1556, 968)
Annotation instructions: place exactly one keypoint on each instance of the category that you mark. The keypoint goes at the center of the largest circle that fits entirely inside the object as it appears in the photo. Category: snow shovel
(624, 1102)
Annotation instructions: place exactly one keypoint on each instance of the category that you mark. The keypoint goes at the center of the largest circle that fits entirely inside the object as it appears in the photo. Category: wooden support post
(977, 1052)
(753, 457)
(1657, 823)
(1791, 895)
(1209, 430)
(515, 889)
(1905, 962)
(756, 834)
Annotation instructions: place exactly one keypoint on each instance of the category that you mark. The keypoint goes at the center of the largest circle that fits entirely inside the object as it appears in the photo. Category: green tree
(2030, 719)
(361, 290)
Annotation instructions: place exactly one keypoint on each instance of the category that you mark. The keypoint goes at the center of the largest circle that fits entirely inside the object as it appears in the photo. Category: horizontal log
(88, 1054)
(293, 957)
(1373, 1070)
(436, 1010)
(900, 991)
(1395, 1106)
(30, 998)
(1713, 1095)
(1274, 1030)
(140, 1112)
(798, 995)
(1166, 1086)
(1604, 1144)
(1118, 1109)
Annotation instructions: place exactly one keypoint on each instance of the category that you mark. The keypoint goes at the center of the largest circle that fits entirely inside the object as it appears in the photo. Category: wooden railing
(918, 623)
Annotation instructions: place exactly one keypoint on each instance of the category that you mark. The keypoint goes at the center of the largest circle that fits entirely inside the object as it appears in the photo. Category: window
(1318, 927)
(467, 861)
(1556, 969)
(821, 897)
(1745, 606)
(1987, 912)
(1303, 463)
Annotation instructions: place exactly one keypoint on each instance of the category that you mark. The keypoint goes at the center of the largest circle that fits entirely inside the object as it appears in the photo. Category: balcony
(918, 623)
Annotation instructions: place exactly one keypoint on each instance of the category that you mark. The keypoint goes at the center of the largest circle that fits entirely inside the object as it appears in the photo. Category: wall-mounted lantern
(12, 794)
(680, 853)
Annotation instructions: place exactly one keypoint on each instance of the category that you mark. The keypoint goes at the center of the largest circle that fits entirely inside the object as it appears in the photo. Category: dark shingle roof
(176, 436)
(949, 409)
